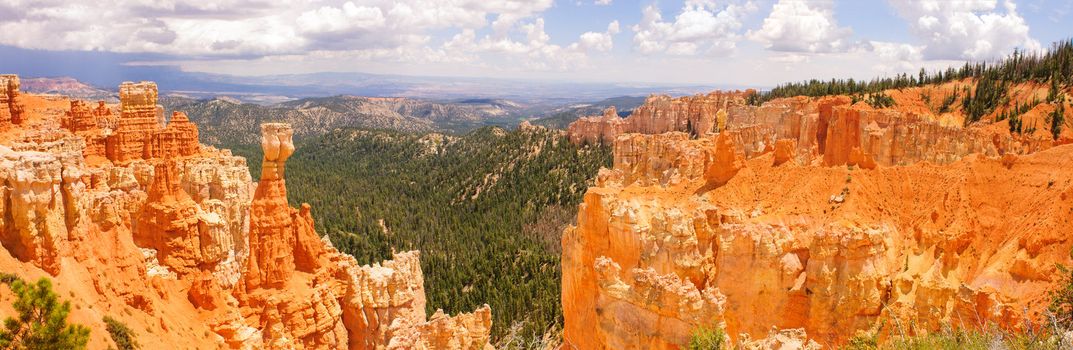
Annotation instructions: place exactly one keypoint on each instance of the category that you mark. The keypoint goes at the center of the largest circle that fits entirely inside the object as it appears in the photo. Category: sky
(721, 43)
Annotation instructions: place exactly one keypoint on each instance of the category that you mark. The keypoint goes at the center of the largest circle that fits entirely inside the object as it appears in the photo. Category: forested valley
(486, 209)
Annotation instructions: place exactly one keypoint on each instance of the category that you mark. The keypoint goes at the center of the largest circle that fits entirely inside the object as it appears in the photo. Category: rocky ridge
(809, 221)
(132, 218)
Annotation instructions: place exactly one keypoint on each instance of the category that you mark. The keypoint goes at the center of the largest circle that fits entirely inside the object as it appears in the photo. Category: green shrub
(955, 340)
(863, 342)
(704, 338)
(880, 100)
(122, 335)
(8, 278)
(42, 320)
(948, 102)
(1062, 299)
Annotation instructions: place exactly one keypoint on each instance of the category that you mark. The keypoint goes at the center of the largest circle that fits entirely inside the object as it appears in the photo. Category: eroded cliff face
(905, 134)
(696, 115)
(133, 219)
(812, 222)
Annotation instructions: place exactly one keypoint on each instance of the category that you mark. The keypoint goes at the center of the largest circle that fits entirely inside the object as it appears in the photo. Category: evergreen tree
(42, 320)
(1057, 118)
(1054, 66)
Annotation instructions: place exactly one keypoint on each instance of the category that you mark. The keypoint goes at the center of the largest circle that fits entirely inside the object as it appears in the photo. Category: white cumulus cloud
(247, 28)
(802, 26)
(700, 27)
(412, 31)
(533, 48)
(972, 30)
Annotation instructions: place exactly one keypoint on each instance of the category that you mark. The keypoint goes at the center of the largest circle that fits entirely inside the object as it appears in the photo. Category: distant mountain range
(226, 120)
(105, 71)
(268, 90)
(362, 84)
(559, 118)
(66, 86)
(235, 116)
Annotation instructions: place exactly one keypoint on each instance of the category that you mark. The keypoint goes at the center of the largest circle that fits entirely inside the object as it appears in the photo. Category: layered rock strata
(167, 236)
(137, 123)
(140, 131)
(93, 125)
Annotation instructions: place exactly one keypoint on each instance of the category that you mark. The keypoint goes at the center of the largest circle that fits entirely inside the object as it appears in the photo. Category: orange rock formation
(165, 235)
(598, 129)
(138, 121)
(806, 221)
(93, 125)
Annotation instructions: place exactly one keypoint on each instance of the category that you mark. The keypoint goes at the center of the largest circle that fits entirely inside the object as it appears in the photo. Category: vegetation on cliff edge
(988, 90)
(1052, 66)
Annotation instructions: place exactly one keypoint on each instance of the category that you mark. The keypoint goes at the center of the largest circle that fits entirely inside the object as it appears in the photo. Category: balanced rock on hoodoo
(272, 238)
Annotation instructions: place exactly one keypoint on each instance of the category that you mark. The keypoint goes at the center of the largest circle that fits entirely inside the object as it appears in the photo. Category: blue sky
(711, 42)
